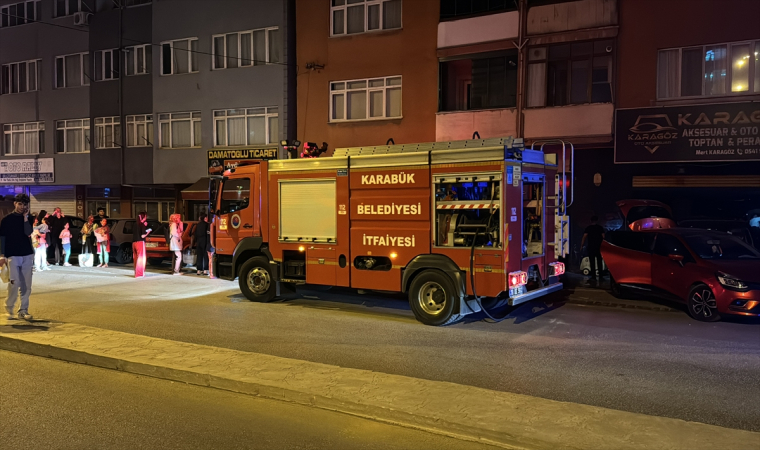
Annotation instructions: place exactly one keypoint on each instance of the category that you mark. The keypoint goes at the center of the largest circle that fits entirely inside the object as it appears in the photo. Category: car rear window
(631, 240)
(645, 212)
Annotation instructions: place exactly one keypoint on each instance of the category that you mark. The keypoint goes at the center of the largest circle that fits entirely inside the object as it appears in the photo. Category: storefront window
(740, 65)
(715, 70)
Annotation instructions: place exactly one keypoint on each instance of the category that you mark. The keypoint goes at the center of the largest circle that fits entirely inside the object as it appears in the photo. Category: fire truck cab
(448, 223)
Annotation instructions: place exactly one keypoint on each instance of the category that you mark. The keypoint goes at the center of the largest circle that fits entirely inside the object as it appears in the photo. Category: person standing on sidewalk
(39, 242)
(16, 246)
(175, 241)
(200, 237)
(103, 236)
(87, 236)
(56, 222)
(595, 235)
(140, 232)
(65, 237)
(209, 247)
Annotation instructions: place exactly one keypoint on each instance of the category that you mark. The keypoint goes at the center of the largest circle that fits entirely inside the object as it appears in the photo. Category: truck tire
(432, 297)
(256, 280)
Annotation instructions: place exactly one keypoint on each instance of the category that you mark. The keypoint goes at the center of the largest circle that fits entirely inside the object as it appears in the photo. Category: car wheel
(256, 280)
(124, 255)
(432, 297)
(702, 304)
(586, 271)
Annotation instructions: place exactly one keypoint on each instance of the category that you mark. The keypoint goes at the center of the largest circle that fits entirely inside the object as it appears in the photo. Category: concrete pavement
(505, 419)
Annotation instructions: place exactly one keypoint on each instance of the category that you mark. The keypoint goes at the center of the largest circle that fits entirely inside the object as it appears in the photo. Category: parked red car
(714, 273)
(646, 214)
(156, 248)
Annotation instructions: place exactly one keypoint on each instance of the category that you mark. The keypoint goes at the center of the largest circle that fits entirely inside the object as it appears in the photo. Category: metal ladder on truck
(561, 219)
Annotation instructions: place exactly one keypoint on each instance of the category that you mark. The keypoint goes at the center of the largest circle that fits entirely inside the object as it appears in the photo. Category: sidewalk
(507, 420)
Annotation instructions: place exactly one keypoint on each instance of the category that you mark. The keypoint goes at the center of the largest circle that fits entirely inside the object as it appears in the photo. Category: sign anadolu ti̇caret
(716, 132)
(221, 160)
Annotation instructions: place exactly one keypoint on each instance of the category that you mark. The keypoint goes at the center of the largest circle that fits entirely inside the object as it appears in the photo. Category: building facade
(367, 71)
(123, 103)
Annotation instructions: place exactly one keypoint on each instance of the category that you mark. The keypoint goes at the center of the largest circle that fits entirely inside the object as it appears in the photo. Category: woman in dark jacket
(201, 241)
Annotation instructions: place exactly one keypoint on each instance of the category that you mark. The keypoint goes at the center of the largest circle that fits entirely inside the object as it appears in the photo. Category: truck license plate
(151, 244)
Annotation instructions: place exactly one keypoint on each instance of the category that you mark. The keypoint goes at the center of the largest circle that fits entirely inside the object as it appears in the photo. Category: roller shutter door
(50, 197)
(307, 210)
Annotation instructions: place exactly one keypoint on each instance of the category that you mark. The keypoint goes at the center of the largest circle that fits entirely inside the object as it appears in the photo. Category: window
(479, 83)
(72, 70)
(107, 132)
(106, 65)
(156, 210)
(253, 126)
(21, 77)
(112, 207)
(361, 16)
(665, 245)
(236, 195)
(72, 136)
(375, 98)
(140, 131)
(709, 70)
(179, 56)
(246, 48)
(570, 74)
(179, 130)
(24, 138)
(20, 13)
(457, 9)
(67, 7)
(138, 59)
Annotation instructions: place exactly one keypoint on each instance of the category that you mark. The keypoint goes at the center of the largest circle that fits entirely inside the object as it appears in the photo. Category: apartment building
(124, 103)
(367, 71)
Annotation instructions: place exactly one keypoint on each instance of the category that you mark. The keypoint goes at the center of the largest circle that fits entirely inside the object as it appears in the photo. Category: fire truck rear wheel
(432, 298)
(256, 280)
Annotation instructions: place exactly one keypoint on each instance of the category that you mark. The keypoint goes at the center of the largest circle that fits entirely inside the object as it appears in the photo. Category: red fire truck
(449, 223)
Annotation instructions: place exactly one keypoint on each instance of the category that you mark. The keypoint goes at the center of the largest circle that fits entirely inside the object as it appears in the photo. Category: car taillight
(517, 279)
(558, 268)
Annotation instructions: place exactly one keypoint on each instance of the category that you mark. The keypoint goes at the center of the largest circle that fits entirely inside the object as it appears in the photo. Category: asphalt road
(53, 404)
(652, 362)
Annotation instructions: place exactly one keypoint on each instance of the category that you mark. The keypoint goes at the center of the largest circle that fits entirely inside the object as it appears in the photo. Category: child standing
(40, 244)
(103, 236)
(66, 242)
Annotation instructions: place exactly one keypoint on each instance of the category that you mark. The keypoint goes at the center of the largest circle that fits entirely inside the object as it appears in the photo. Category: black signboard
(717, 132)
(221, 160)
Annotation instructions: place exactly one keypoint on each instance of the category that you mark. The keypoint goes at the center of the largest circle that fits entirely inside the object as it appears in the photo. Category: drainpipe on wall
(522, 66)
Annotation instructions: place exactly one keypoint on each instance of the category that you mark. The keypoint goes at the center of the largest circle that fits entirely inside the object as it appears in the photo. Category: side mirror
(676, 258)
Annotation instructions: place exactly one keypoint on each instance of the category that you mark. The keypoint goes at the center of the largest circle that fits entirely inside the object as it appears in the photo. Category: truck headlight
(731, 282)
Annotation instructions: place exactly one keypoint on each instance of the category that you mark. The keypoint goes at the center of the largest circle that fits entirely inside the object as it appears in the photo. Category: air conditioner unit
(82, 18)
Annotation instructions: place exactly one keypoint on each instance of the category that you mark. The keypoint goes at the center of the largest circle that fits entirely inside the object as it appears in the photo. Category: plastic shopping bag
(5, 272)
(86, 258)
(188, 257)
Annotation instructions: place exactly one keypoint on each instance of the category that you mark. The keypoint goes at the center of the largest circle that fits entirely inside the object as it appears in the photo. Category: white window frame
(5, 12)
(386, 86)
(195, 116)
(239, 36)
(71, 124)
(754, 47)
(103, 55)
(103, 123)
(132, 125)
(190, 55)
(29, 74)
(85, 79)
(68, 7)
(8, 129)
(223, 115)
(367, 4)
(132, 53)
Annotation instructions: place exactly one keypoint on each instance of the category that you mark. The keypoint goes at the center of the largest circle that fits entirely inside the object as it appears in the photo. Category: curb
(506, 420)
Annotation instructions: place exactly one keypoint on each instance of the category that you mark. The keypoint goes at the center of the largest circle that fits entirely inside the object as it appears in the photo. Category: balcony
(589, 120)
(477, 30)
(569, 16)
(459, 125)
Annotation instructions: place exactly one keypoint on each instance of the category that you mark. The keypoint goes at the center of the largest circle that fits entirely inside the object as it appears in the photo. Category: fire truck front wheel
(432, 298)
(256, 280)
